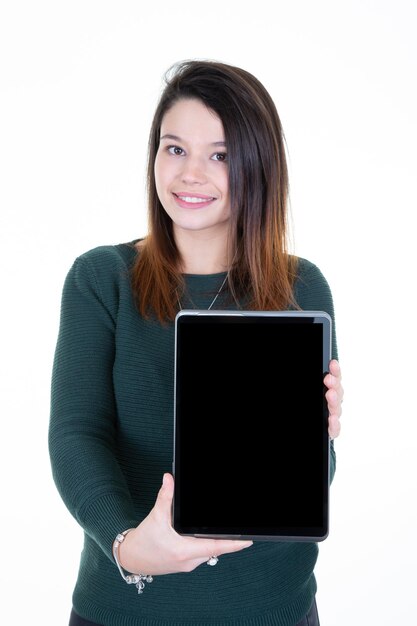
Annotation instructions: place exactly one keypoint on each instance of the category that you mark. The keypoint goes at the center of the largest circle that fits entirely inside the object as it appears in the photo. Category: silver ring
(213, 560)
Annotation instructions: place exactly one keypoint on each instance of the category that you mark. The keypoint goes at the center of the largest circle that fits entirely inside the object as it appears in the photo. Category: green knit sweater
(111, 440)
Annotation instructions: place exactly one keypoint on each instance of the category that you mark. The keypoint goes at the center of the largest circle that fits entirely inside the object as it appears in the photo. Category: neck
(203, 255)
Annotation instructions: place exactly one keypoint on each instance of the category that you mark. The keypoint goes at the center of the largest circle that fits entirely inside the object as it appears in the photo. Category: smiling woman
(204, 106)
(217, 202)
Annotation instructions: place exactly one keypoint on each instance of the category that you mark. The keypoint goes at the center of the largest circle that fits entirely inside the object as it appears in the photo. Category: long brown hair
(263, 271)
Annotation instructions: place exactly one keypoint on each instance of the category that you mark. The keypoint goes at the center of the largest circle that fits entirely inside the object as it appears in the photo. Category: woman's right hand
(154, 547)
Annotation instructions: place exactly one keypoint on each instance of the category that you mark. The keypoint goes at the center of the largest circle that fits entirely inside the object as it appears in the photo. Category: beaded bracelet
(131, 579)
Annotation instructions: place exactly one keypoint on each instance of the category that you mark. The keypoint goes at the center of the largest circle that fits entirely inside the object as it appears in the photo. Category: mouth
(196, 201)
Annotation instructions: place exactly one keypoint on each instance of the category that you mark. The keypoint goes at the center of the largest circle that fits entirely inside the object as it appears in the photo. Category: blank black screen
(251, 443)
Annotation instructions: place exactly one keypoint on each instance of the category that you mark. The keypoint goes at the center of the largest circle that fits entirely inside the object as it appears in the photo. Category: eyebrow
(175, 138)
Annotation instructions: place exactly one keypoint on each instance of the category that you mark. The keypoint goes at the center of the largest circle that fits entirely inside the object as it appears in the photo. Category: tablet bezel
(304, 533)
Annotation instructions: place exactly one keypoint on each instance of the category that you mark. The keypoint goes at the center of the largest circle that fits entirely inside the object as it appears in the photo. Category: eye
(173, 150)
(222, 155)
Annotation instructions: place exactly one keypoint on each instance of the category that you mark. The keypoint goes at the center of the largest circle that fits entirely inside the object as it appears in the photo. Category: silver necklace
(215, 297)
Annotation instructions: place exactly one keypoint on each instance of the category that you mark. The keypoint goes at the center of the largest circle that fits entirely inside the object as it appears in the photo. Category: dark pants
(311, 619)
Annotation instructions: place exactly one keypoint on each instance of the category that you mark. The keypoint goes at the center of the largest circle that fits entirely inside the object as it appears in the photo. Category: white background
(79, 82)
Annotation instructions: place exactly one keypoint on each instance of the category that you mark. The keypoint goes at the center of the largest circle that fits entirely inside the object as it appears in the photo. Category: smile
(195, 201)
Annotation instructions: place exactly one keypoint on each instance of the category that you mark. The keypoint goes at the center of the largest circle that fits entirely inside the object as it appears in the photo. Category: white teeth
(194, 199)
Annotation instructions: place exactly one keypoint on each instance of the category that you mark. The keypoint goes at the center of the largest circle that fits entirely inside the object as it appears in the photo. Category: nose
(193, 171)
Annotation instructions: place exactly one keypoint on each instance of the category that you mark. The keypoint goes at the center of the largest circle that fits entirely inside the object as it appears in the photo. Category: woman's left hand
(334, 397)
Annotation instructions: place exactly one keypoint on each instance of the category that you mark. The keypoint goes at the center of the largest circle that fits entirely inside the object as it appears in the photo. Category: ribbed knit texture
(111, 440)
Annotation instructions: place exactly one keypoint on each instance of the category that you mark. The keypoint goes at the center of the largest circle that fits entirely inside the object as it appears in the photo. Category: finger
(334, 402)
(335, 374)
(226, 547)
(334, 426)
(205, 548)
(334, 368)
(163, 504)
(192, 564)
(334, 383)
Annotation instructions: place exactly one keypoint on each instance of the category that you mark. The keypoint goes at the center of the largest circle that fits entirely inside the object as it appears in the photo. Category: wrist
(131, 579)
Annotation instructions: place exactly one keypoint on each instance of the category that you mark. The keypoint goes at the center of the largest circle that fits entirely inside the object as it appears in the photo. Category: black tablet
(251, 444)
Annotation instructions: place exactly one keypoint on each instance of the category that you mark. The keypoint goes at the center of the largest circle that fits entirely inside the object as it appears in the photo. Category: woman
(218, 189)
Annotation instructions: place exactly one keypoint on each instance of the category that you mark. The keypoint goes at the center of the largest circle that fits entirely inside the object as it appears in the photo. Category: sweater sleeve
(83, 412)
(313, 293)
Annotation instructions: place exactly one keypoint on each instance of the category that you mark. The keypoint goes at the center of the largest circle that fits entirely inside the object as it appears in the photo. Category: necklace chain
(215, 297)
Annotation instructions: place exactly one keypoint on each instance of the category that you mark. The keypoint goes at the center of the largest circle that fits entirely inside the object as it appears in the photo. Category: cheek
(165, 173)
(159, 174)
(219, 177)
(225, 184)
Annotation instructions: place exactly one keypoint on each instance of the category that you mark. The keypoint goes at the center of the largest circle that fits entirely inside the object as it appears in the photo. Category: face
(191, 169)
